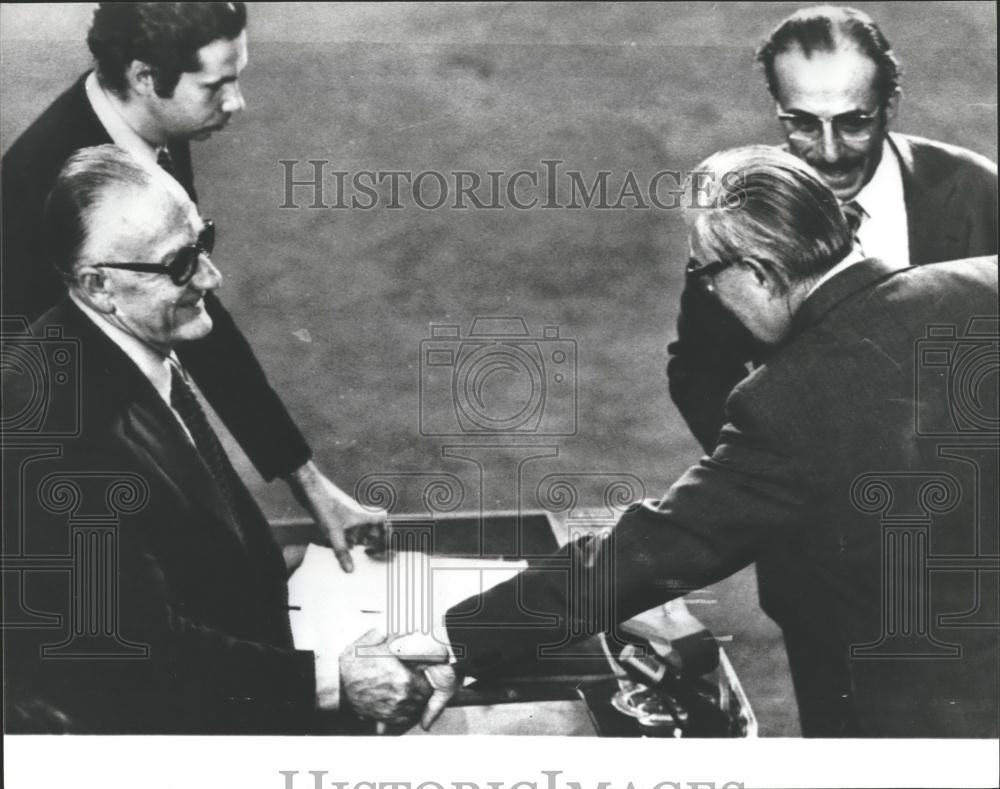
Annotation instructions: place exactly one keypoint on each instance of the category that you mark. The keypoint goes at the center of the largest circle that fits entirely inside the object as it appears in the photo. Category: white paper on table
(336, 608)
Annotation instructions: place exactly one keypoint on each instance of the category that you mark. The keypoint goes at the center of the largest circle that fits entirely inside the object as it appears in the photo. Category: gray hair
(762, 202)
(84, 181)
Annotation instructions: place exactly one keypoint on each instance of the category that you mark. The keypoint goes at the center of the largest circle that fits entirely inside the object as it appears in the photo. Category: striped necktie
(185, 403)
(855, 215)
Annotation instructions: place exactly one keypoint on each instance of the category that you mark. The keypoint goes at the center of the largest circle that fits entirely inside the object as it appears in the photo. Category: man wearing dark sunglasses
(200, 581)
(183, 264)
(165, 74)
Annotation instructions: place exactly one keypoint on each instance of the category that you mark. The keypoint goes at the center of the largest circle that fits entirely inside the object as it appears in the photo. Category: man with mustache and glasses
(910, 201)
(165, 74)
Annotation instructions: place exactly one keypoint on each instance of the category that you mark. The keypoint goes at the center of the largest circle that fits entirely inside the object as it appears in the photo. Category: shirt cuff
(328, 682)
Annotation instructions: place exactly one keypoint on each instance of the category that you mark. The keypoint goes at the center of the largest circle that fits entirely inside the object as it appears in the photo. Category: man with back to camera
(821, 438)
(836, 83)
(198, 607)
(165, 74)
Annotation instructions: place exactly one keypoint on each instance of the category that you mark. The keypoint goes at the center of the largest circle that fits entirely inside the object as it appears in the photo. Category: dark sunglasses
(185, 262)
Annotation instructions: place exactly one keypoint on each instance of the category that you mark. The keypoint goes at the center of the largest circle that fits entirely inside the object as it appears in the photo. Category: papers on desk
(410, 593)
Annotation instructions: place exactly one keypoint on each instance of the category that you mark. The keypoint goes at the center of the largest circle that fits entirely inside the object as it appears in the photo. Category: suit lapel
(148, 425)
(152, 430)
(932, 234)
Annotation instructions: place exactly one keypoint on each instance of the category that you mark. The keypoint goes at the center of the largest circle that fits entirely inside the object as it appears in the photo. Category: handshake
(395, 679)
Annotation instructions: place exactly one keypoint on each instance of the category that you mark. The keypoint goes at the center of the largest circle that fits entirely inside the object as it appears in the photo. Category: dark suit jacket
(222, 363)
(209, 605)
(842, 398)
(951, 206)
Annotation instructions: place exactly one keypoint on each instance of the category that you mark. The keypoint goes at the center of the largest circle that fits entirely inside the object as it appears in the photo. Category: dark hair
(80, 186)
(818, 29)
(765, 203)
(167, 36)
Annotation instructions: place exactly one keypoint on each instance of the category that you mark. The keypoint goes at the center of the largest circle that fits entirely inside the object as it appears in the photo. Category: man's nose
(830, 144)
(232, 100)
(207, 276)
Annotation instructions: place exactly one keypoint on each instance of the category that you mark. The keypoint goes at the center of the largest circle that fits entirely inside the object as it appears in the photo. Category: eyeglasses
(697, 271)
(185, 262)
(853, 128)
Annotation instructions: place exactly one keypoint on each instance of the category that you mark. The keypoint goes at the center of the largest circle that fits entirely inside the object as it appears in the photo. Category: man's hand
(337, 514)
(422, 649)
(377, 686)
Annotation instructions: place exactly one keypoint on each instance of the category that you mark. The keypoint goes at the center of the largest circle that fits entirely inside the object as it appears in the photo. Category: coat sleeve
(709, 525)
(708, 358)
(196, 666)
(30, 283)
(981, 223)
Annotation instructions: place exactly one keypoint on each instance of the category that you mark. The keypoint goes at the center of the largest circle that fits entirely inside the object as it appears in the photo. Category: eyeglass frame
(860, 115)
(695, 271)
(203, 246)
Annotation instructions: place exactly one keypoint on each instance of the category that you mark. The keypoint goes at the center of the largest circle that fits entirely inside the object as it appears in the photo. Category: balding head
(827, 29)
(836, 83)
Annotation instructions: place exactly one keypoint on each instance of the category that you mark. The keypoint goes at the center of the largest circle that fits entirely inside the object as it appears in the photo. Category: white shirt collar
(854, 256)
(154, 365)
(122, 135)
(884, 233)
(886, 185)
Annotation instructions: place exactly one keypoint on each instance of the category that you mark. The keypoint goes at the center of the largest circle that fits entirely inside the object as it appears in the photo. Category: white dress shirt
(883, 233)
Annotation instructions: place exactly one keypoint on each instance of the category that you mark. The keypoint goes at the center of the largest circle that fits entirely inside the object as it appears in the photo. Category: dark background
(336, 302)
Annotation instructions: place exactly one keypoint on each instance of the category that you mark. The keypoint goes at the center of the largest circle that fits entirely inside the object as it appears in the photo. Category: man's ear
(141, 78)
(767, 274)
(94, 288)
(892, 105)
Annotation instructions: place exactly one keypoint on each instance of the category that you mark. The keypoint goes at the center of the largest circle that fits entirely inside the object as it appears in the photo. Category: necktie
(166, 162)
(184, 402)
(855, 216)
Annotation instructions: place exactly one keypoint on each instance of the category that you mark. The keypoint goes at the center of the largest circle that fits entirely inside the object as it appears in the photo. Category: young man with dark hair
(165, 36)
